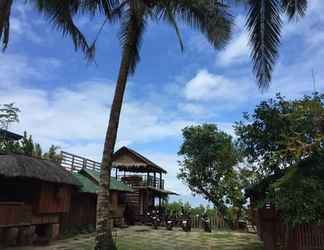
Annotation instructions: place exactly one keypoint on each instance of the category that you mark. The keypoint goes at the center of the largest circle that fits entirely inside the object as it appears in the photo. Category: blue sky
(64, 101)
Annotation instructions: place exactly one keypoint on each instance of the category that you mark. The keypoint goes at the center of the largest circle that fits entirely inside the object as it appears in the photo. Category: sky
(65, 101)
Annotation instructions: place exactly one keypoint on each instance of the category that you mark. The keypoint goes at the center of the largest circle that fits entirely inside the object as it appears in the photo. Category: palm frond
(171, 19)
(60, 14)
(210, 17)
(294, 8)
(133, 24)
(100, 6)
(5, 9)
(264, 25)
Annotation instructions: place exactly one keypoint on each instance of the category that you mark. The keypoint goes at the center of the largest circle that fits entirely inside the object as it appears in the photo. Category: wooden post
(116, 173)
(161, 187)
(147, 178)
(154, 180)
(72, 164)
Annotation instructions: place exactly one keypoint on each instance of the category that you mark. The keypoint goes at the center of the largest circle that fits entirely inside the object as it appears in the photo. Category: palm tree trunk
(104, 239)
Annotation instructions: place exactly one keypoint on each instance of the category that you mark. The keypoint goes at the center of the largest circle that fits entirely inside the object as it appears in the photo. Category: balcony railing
(141, 180)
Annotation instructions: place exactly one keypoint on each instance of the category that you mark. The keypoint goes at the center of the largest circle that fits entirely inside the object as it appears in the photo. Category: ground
(145, 238)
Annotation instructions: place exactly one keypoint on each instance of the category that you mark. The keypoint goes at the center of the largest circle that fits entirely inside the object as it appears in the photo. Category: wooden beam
(161, 180)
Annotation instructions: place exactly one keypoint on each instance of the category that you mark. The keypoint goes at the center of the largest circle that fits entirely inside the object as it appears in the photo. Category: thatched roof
(9, 135)
(127, 159)
(22, 166)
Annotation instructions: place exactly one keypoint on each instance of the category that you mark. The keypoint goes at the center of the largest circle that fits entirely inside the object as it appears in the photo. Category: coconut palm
(210, 17)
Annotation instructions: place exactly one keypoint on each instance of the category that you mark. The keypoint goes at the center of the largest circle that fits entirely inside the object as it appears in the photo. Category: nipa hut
(34, 193)
(83, 203)
(146, 179)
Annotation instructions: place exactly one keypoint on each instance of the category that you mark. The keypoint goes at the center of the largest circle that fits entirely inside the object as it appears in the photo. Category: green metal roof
(90, 186)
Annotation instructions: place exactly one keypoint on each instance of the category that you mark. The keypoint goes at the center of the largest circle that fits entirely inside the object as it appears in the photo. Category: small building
(270, 225)
(146, 179)
(131, 168)
(84, 201)
(10, 136)
(34, 193)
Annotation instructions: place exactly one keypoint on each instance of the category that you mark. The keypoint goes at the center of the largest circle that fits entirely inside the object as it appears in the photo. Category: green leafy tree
(27, 145)
(52, 154)
(38, 152)
(284, 139)
(209, 156)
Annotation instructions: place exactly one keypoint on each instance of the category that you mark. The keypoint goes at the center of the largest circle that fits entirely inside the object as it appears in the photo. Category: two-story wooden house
(145, 178)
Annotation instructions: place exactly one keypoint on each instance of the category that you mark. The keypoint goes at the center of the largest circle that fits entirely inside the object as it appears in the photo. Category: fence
(215, 221)
(276, 235)
(304, 237)
(75, 163)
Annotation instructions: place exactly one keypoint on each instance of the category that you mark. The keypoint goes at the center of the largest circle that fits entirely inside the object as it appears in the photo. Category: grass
(145, 238)
(177, 239)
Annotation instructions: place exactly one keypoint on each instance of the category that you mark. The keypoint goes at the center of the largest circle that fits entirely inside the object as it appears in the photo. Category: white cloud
(206, 86)
(77, 116)
(193, 108)
(237, 51)
(21, 26)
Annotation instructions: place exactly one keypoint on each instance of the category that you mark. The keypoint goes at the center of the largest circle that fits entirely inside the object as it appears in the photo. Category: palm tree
(210, 17)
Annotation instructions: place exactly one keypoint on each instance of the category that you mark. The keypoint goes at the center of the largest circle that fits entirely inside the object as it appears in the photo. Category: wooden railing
(216, 222)
(143, 181)
(75, 163)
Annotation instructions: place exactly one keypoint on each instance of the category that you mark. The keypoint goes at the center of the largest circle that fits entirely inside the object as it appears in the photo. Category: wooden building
(271, 228)
(145, 177)
(34, 193)
(84, 201)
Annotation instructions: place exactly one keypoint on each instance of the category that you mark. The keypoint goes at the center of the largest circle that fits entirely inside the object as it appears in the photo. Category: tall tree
(209, 156)
(284, 139)
(210, 17)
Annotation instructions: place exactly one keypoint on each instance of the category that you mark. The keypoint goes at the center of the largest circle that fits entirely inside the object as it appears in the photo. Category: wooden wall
(82, 210)
(53, 198)
(12, 213)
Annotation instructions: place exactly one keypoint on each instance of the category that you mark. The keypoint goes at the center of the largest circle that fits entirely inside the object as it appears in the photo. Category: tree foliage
(9, 114)
(209, 156)
(175, 209)
(284, 139)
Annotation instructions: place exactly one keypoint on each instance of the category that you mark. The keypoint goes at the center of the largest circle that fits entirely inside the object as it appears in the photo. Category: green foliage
(175, 208)
(209, 157)
(285, 141)
(52, 154)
